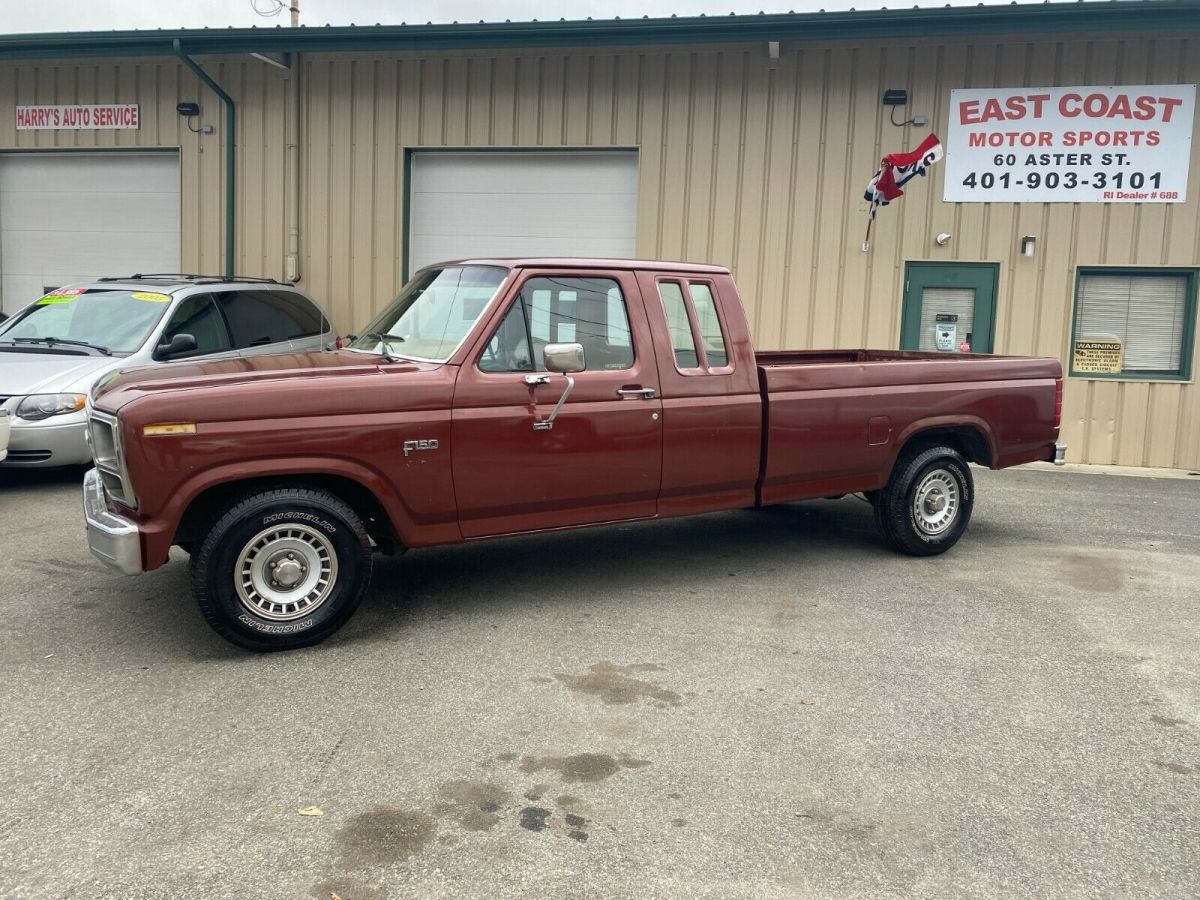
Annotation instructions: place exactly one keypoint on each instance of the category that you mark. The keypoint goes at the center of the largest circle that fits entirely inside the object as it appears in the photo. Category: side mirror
(176, 346)
(564, 358)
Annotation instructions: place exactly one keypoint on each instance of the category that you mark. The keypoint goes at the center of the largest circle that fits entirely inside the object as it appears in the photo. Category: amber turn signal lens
(171, 428)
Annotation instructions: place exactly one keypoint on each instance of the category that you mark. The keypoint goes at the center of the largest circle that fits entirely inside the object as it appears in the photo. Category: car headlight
(36, 407)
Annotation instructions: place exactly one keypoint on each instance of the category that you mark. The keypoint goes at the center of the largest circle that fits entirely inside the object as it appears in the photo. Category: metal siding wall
(753, 163)
(157, 85)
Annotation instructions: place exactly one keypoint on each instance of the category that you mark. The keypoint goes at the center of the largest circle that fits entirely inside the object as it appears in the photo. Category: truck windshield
(433, 314)
(114, 321)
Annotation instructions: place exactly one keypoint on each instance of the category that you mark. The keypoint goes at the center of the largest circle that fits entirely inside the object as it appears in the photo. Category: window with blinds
(1148, 313)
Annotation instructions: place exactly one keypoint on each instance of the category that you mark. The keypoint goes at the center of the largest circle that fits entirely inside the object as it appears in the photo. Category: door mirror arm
(562, 359)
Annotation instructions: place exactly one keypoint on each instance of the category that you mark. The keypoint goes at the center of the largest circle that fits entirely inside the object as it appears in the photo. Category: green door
(949, 305)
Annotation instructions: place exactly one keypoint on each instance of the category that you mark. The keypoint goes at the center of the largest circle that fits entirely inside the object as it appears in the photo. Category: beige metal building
(362, 153)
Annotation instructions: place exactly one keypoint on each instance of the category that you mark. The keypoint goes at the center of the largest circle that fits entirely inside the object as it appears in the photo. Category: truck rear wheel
(281, 569)
(926, 505)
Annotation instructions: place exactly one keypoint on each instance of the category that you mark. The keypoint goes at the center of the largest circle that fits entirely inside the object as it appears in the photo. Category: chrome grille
(104, 435)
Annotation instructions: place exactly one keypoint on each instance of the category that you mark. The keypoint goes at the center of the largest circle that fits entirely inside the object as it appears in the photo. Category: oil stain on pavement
(614, 684)
(1093, 572)
(585, 767)
(474, 805)
(383, 836)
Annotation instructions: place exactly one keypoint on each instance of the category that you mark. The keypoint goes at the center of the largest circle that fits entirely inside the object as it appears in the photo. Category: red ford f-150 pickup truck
(498, 397)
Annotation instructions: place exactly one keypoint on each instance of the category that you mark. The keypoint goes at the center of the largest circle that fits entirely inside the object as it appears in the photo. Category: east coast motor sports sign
(78, 117)
(1126, 144)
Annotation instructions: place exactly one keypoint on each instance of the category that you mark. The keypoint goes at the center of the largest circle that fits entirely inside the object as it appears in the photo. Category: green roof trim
(1112, 15)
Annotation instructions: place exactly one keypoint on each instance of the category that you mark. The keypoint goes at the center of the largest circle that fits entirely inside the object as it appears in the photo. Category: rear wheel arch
(973, 441)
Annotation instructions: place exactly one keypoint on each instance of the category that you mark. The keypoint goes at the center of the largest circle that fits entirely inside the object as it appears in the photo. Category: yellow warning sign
(1098, 356)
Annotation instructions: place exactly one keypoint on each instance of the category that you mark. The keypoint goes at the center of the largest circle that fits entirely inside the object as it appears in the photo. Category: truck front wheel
(926, 505)
(281, 569)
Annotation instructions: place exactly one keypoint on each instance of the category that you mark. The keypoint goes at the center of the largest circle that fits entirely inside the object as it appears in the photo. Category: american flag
(897, 169)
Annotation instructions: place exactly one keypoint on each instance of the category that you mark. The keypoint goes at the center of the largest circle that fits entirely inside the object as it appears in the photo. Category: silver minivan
(56, 348)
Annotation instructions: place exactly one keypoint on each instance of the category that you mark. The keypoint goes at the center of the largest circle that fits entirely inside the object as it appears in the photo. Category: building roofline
(1048, 17)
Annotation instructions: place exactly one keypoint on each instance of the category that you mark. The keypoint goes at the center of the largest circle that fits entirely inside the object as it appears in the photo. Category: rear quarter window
(257, 318)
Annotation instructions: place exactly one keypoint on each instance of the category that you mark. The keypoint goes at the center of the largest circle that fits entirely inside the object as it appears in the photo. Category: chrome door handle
(630, 393)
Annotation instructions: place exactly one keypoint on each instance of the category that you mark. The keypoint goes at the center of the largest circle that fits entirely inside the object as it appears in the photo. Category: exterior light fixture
(1028, 244)
(188, 109)
(894, 97)
(942, 239)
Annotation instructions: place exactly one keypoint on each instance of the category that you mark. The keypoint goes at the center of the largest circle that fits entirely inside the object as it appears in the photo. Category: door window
(947, 319)
(508, 350)
(258, 318)
(710, 325)
(563, 309)
(199, 317)
(682, 342)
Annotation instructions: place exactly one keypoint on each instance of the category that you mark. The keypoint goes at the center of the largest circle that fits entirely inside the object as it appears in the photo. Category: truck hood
(239, 376)
(22, 372)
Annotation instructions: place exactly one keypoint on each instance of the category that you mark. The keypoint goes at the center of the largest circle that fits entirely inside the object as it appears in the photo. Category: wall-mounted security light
(942, 239)
(894, 97)
(189, 111)
(1028, 245)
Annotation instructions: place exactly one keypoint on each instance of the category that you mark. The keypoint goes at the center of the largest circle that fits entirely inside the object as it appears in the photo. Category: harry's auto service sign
(1127, 144)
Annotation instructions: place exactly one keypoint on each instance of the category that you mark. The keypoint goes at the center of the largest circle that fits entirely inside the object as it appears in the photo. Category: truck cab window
(710, 325)
(682, 342)
(563, 309)
(508, 350)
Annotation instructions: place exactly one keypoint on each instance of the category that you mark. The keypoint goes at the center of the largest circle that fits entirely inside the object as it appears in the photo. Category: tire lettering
(301, 517)
(266, 628)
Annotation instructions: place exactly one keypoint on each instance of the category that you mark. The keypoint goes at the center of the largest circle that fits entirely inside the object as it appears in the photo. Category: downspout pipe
(230, 154)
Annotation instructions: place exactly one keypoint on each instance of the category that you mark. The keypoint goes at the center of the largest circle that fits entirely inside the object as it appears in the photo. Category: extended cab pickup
(498, 397)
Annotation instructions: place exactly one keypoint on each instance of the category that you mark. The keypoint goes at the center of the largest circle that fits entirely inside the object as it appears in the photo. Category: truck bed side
(837, 419)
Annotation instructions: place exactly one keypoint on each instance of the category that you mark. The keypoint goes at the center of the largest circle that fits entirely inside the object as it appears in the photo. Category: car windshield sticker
(61, 295)
(151, 298)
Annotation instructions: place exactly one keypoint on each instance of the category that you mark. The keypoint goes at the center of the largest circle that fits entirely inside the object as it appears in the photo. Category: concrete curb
(1127, 471)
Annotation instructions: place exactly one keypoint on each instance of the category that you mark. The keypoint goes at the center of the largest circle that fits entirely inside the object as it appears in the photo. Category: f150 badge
(410, 446)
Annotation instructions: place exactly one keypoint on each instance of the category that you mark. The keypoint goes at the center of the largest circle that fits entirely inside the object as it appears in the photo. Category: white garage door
(468, 204)
(79, 216)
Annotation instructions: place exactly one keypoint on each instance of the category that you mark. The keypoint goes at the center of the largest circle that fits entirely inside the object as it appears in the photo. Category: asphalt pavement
(752, 704)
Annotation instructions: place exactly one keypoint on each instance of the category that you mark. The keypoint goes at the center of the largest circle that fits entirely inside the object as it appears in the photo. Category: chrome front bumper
(1060, 455)
(113, 539)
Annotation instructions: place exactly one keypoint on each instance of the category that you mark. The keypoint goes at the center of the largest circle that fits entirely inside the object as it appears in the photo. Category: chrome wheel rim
(936, 502)
(285, 572)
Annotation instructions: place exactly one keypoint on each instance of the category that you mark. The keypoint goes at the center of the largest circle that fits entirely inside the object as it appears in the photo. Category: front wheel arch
(204, 508)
